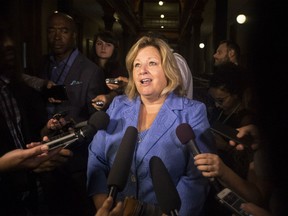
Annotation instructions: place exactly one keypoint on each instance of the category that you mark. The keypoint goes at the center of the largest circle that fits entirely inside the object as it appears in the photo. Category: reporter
(105, 51)
(22, 116)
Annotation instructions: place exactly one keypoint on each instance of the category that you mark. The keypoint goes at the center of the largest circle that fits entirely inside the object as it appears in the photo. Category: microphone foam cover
(185, 133)
(166, 192)
(87, 132)
(99, 120)
(121, 166)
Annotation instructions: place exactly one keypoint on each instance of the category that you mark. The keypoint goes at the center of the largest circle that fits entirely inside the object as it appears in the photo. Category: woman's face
(104, 50)
(148, 73)
(223, 99)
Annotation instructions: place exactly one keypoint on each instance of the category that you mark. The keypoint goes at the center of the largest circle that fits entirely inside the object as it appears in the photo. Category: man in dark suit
(65, 188)
(65, 65)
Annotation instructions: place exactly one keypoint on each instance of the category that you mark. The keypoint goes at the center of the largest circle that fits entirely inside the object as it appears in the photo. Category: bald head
(62, 16)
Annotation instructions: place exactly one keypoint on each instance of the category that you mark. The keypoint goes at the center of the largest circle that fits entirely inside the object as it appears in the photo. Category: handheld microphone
(166, 192)
(186, 136)
(119, 172)
(98, 121)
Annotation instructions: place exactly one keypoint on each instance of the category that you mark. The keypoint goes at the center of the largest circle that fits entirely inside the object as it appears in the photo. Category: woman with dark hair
(105, 55)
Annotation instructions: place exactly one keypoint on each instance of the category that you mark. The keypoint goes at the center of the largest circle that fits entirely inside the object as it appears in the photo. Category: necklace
(229, 116)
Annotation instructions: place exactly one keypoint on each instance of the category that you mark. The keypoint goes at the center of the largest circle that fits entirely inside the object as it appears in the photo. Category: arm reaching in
(20, 159)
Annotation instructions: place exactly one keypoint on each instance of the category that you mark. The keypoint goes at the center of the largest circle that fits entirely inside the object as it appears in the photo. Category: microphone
(186, 136)
(81, 124)
(166, 192)
(119, 172)
(98, 121)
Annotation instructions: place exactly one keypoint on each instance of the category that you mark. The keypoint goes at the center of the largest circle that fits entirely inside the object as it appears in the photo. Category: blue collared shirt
(59, 70)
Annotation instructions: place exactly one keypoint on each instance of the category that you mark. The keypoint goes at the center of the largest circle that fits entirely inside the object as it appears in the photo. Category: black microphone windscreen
(185, 133)
(87, 132)
(99, 120)
(166, 192)
(121, 166)
(81, 124)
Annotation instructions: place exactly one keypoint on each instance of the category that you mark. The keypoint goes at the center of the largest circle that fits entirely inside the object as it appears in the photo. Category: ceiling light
(241, 18)
(162, 16)
(162, 27)
(201, 45)
(161, 3)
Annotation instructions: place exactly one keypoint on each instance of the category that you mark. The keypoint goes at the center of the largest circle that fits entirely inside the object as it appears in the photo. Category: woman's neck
(102, 62)
(148, 113)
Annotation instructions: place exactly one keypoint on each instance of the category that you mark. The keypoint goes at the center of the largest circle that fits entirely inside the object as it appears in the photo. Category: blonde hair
(168, 61)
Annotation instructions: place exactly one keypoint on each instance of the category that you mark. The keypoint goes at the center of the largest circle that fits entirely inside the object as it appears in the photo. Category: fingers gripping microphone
(186, 136)
(98, 121)
(166, 192)
(119, 172)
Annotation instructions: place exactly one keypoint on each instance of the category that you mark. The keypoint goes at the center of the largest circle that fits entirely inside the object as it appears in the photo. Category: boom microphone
(119, 172)
(166, 192)
(186, 136)
(98, 121)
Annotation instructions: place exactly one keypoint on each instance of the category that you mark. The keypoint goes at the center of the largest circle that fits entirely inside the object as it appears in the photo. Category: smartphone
(57, 92)
(232, 201)
(113, 81)
(230, 133)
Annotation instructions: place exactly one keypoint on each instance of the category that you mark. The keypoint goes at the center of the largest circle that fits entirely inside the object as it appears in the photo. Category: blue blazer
(161, 140)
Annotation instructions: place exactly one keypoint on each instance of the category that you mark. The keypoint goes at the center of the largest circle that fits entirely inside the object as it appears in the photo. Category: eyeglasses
(220, 101)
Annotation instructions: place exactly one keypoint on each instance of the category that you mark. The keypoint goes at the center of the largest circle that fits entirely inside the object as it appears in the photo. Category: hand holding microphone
(186, 136)
(98, 121)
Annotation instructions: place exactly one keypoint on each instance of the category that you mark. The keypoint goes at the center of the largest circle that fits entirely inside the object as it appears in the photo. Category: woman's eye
(137, 65)
(152, 63)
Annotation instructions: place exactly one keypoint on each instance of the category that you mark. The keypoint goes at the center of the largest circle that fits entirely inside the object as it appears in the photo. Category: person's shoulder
(120, 104)
(122, 99)
(87, 61)
(179, 58)
(184, 102)
(88, 67)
